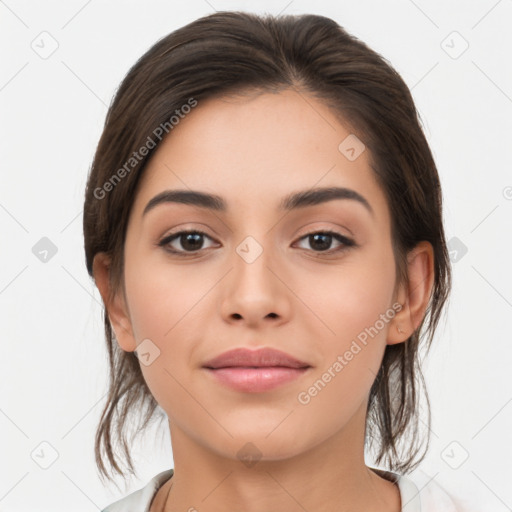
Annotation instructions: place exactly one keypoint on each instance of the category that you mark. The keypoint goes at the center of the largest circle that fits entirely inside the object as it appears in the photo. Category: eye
(190, 242)
(322, 240)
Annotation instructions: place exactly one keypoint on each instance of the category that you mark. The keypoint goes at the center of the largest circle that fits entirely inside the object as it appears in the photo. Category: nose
(255, 290)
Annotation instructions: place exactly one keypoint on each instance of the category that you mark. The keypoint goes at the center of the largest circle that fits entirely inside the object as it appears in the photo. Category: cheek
(166, 307)
(352, 311)
(344, 300)
(352, 345)
(162, 296)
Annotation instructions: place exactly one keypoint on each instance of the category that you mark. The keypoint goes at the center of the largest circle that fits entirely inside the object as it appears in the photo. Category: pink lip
(256, 380)
(257, 358)
(255, 370)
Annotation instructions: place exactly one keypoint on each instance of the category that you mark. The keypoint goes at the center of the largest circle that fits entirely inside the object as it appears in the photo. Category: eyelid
(315, 228)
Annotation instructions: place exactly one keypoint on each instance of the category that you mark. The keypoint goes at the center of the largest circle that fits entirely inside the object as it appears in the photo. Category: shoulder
(140, 500)
(420, 492)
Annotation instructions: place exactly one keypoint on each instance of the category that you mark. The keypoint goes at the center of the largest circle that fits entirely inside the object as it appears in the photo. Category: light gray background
(53, 365)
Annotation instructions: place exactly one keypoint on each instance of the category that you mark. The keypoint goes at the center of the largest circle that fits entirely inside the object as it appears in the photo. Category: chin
(252, 448)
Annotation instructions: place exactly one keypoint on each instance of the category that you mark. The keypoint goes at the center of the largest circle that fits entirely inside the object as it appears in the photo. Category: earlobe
(114, 303)
(414, 295)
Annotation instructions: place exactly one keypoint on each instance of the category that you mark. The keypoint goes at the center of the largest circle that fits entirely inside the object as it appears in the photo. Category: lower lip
(255, 380)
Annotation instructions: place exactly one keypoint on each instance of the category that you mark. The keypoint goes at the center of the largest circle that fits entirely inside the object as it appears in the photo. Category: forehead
(254, 150)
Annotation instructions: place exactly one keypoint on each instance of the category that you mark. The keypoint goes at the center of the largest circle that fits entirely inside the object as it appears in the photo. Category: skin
(252, 151)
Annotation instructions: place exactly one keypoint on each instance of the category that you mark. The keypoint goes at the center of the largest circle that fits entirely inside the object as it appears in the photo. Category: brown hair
(232, 53)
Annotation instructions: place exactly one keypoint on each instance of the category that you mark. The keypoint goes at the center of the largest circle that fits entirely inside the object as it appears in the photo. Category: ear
(413, 296)
(115, 305)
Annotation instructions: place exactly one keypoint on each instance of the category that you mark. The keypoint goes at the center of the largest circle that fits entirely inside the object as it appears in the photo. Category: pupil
(189, 241)
(324, 245)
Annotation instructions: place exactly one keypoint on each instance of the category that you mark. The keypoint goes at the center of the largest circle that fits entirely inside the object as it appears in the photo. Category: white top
(429, 497)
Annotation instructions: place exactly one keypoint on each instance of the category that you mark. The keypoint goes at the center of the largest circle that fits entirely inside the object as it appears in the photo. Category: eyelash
(347, 242)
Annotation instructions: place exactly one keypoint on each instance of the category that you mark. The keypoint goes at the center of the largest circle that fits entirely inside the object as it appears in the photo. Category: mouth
(255, 371)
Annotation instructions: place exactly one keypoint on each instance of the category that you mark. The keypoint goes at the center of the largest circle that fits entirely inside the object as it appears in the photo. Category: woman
(263, 220)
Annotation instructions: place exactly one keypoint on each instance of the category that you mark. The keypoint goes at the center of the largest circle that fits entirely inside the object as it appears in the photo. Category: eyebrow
(293, 201)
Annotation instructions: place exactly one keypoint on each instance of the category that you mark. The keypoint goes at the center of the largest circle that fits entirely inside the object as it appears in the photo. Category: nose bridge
(253, 257)
(255, 248)
(251, 249)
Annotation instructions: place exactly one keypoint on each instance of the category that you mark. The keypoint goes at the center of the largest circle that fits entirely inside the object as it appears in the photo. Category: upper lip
(257, 358)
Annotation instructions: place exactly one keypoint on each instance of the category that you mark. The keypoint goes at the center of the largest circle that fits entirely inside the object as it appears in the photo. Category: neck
(331, 476)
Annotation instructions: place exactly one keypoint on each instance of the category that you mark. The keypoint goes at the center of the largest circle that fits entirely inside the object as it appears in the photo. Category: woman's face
(256, 279)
